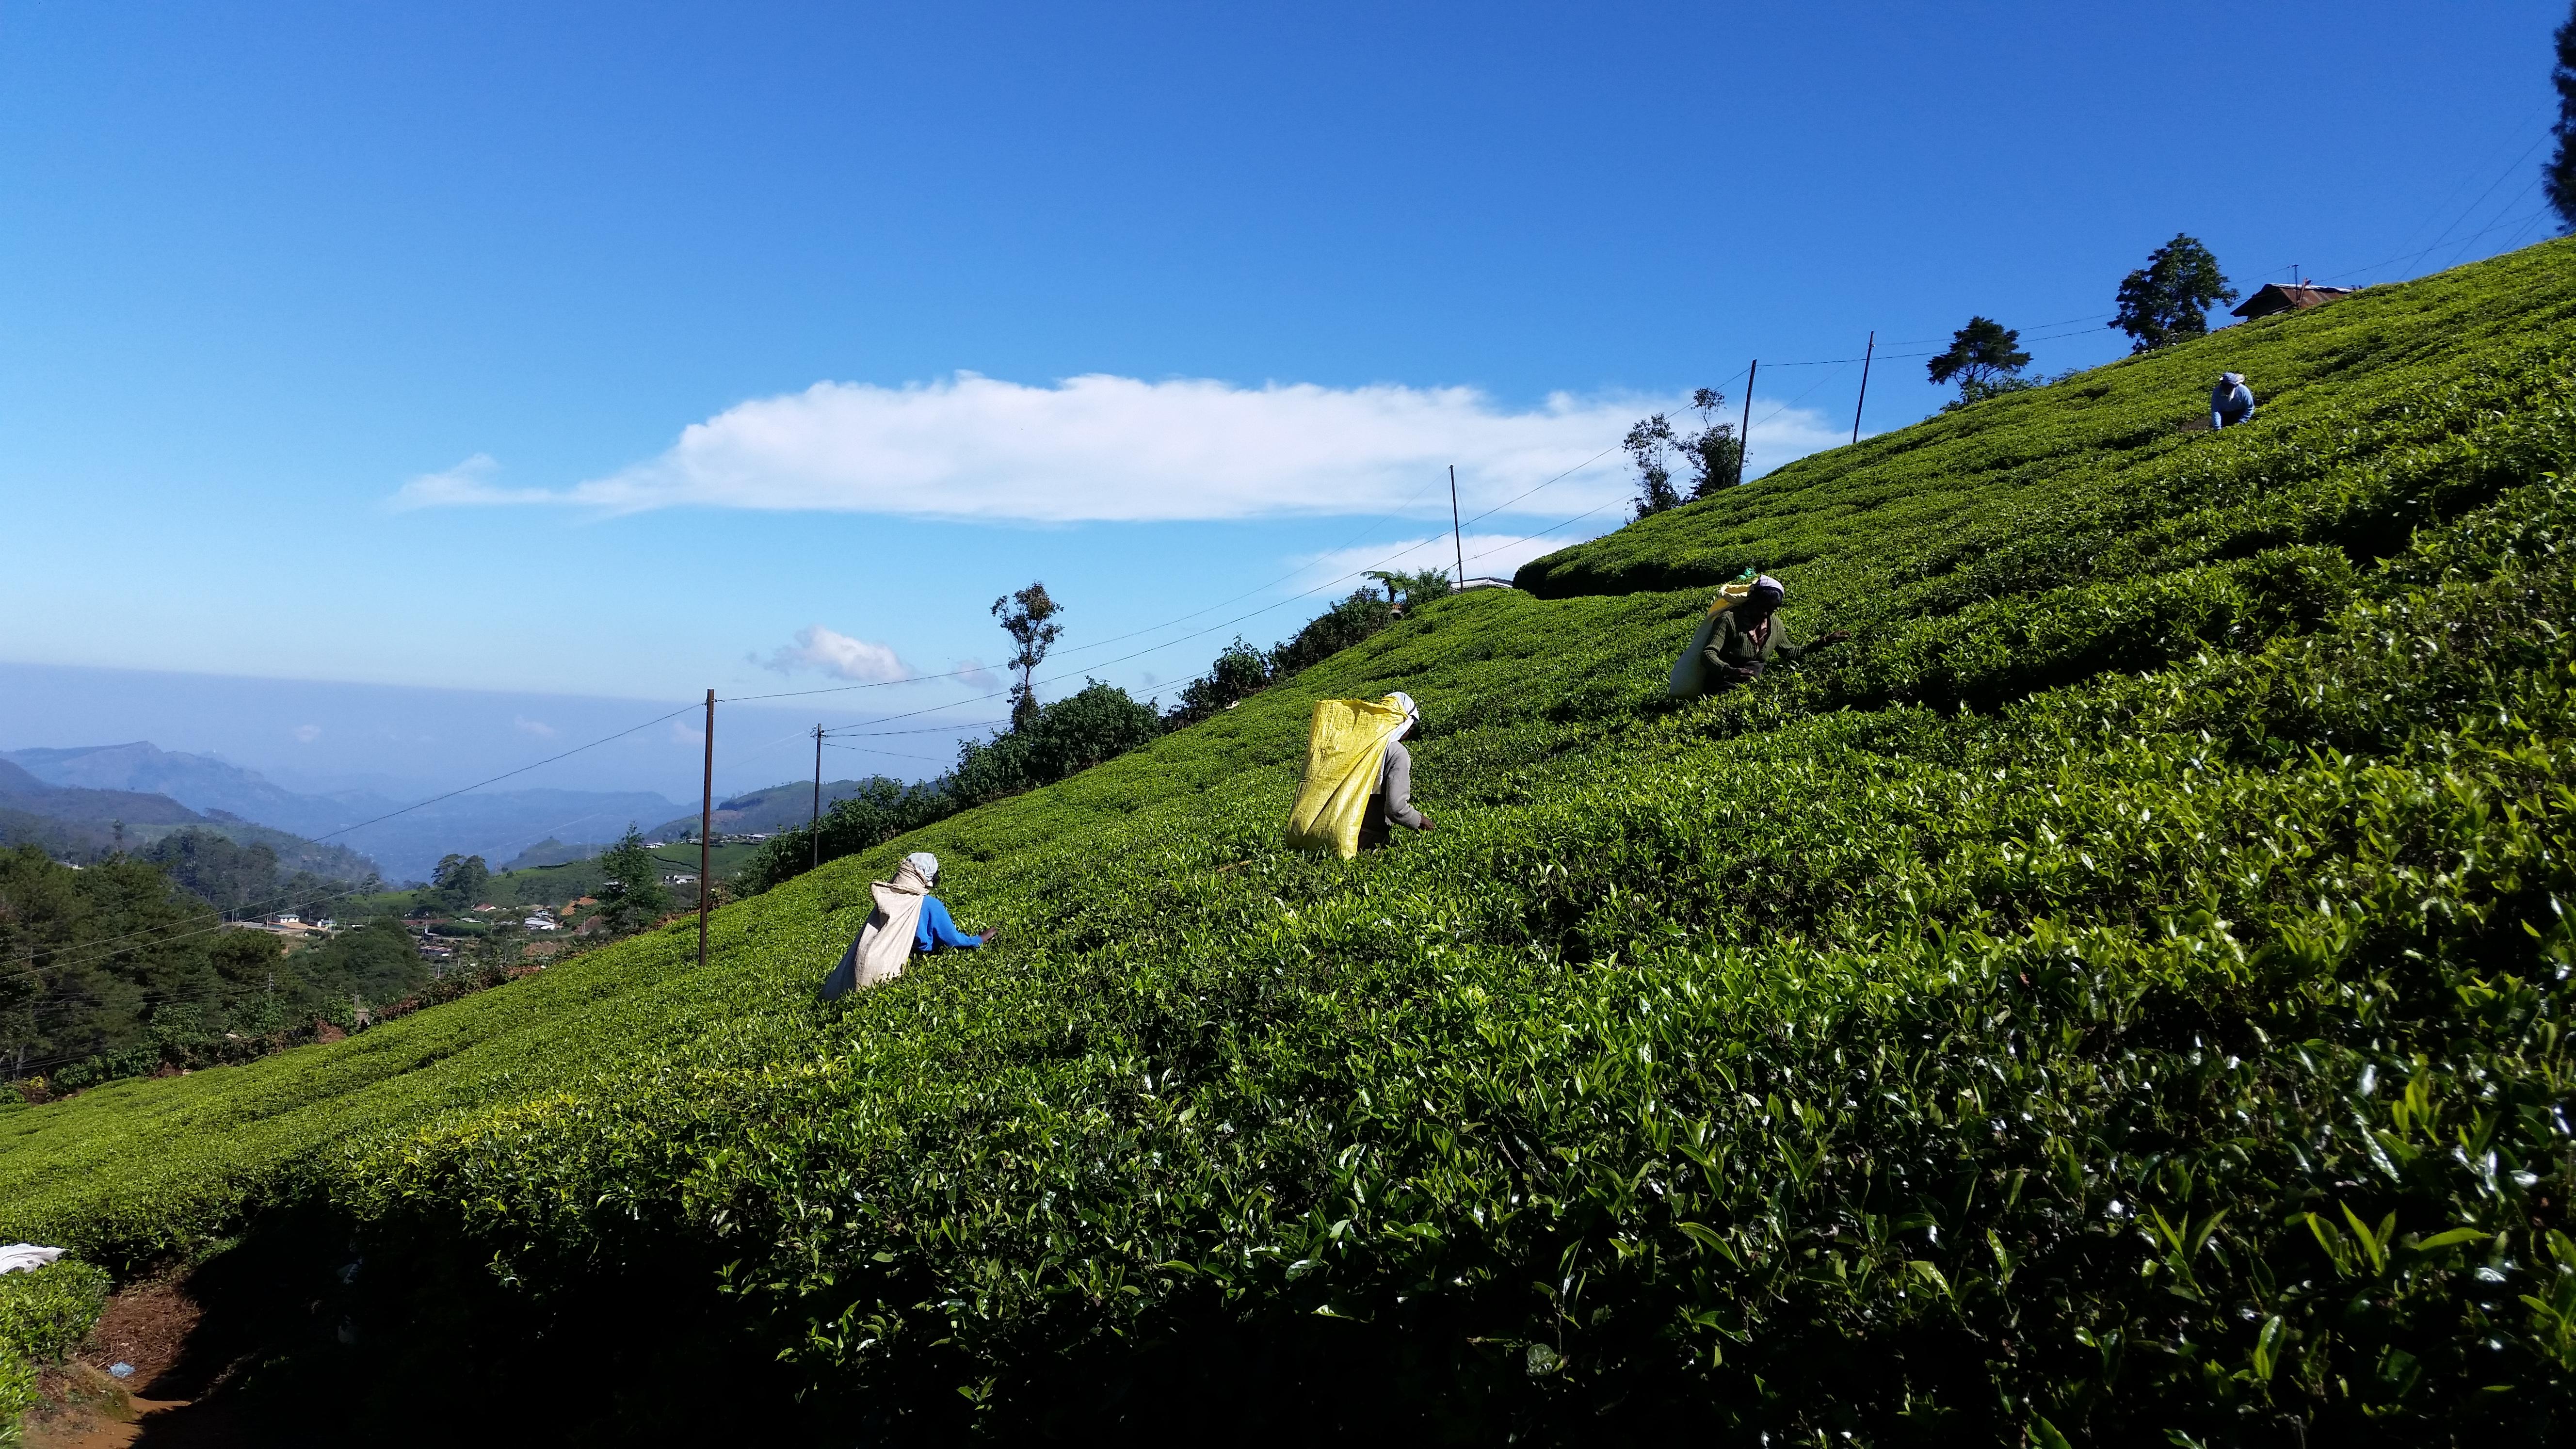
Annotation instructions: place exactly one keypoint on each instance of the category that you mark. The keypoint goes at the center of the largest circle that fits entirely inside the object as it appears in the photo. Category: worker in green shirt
(1751, 636)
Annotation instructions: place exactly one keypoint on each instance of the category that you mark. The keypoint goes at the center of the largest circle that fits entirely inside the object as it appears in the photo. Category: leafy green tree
(1329, 633)
(1238, 674)
(2561, 177)
(878, 811)
(1099, 722)
(1650, 445)
(632, 895)
(1406, 589)
(1715, 455)
(1027, 617)
(2168, 300)
(1980, 354)
(460, 882)
(377, 962)
(244, 881)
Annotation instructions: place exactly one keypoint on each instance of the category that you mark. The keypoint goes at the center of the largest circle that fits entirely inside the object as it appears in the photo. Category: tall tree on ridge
(2168, 300)
(1716, 455)
(1026, 616)
(1650, 445)
(1981, 354)
(2561, 179)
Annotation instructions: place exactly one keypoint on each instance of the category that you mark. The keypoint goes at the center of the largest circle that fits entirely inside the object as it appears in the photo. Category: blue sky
(611, 353)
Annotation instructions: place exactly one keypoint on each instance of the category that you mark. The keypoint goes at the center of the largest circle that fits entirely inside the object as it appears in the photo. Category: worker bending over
(907, 918)
(1750, 637)
(1393, 800)
(2231, 402)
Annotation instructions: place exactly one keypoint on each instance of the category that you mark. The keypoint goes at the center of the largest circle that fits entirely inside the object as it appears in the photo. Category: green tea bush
(44, 1314)
(2121, 998)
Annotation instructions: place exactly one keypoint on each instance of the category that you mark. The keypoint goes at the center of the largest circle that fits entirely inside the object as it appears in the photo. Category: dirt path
(157, 1405)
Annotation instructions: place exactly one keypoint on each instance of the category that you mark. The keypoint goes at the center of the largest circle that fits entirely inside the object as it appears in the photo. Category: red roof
(2277, 298)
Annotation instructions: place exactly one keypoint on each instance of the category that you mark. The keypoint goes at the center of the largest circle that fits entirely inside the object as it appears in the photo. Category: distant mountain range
(496, 825)
(72, 821)
(780, 807)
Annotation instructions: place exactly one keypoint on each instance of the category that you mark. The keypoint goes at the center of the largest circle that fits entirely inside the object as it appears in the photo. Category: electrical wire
(1408, 501)
(897, 754)
(2428, 251)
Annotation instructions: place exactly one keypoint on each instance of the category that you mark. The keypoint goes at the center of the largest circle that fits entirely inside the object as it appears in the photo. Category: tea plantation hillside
(2120, 998)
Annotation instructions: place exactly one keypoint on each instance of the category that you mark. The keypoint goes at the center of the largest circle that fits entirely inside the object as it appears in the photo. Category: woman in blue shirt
(935, 929)
(907, 918)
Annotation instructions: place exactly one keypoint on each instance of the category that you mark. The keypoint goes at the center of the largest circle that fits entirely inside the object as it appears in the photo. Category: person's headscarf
(926, 863)
(2231, 379)
(1412, 712)
(1768, 594)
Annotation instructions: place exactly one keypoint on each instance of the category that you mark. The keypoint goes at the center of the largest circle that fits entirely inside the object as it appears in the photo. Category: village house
(2275, 298)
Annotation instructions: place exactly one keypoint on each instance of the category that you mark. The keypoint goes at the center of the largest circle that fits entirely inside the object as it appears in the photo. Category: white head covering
(926, 863)
(1412, 712)
(1766, 584)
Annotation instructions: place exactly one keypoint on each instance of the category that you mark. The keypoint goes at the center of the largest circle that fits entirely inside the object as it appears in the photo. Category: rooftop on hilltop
(2275, 298)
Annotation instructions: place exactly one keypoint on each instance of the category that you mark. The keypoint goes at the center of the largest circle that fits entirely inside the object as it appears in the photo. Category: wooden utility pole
(706, 826)
(814, 825)
(1744, 434)
(1864, 383)
(1456, 540)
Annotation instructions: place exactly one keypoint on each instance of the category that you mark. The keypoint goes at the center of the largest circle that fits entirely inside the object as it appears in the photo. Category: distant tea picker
(907, 918)
(1741, 635)
(1359, 775)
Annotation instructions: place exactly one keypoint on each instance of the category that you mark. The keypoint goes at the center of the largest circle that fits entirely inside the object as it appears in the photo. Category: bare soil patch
(151, 1327)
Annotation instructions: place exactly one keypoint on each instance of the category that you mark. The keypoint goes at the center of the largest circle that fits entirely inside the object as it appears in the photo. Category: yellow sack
(1345, 750)
(1686, 682)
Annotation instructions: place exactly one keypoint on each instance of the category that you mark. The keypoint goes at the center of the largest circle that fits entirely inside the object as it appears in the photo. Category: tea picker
(2231, 402)
(1741, 634)
(907, 918)
(1359, 775)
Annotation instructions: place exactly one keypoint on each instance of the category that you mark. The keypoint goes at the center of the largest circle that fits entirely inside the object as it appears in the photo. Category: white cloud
(1104, 448)
(469, 482)
(537, 727)
(308, 733)
(840, 656)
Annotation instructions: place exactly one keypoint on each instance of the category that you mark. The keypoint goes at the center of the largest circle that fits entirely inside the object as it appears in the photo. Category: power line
(2471, 239)
(1747, 440)
(2435, 247)
(854, 732)
(2501, 176)
(1365, 529)
(897, 754)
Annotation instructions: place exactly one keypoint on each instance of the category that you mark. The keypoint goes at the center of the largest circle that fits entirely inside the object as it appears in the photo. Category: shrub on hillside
(1098, 722)
(1242, 671)
(44, 1314)
(1237, 675)
(1347, 623)
(878, 811)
